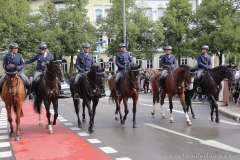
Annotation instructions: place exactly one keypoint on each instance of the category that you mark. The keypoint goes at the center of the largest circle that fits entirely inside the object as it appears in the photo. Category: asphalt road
(157, 138)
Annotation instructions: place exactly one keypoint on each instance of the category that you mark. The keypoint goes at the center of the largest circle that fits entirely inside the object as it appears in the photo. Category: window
(110, 40)
(139, 62)
(60, 6)
(100, 38)
(111, 64)
(183, 61)
(101, 63)
(106, 12)
(160, 13)
(149, 13)
(98, 12)
(149, 64)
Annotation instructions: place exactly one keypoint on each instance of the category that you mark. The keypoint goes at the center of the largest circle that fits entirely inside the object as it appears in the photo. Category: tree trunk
(220, 55)
(70, 68)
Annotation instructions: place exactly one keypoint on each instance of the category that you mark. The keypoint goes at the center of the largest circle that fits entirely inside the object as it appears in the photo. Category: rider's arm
(162, 62)
(199, 61)
(21, 64)
(117, 62)
(174, 65)
(210, 62)
(33, 59)
(130, 59)
(77, 65)
(4, 62)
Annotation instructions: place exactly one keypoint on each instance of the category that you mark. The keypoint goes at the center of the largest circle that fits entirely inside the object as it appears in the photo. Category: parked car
(66, 89)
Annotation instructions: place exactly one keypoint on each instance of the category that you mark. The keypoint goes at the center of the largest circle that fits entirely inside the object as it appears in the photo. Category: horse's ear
(54, 57)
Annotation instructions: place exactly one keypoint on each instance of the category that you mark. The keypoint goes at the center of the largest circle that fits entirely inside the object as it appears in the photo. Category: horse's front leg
(126, 111)
(18, 115)
(155, 97)
(77, 109)
(10, 120)
(118, 109)
(171, 108)
(182, 100)
(55, 107)
(163, 95)
(95, 103)
(90, 112)
(48, 115)
(40, 120)
(83, 114)
(134, 110)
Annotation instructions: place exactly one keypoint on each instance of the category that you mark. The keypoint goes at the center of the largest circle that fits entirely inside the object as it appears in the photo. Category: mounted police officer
(43, 57)
(14, 58)
(123, 61)
(204, 62)
(168, 62)
(84, 63)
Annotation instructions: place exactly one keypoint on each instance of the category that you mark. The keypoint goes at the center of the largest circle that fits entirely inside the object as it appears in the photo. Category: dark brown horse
(13, 94)
(47, 90)
(91, 87)
(175, 83)
(130, 85)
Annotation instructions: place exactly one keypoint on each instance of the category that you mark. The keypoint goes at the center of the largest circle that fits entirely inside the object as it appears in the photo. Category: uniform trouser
(36, 75)
(118, 76)
(199, 74)
(163, 73)
(77, 78)
(22, 75)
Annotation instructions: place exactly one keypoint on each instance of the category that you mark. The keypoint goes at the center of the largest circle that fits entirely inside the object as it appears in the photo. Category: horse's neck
(179, 74)
(218, 76)
(49, 75)
(92, 76)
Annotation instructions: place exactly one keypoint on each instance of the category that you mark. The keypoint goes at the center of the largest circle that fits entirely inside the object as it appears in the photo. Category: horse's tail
(37, 106)
(15, 111)
(111, 98)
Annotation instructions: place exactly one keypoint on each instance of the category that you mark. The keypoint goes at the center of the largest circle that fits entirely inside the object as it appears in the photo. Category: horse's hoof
(164, 117)
(40, 124)
(54, 123)
(216, 120)
(189, 123)
(172, 121)
(11, 134)
(80, 125)
(90, 130)
(194, 117)
(152, 112)
(135, 125)
(19, 129)
(212, 119)
(84, 120)
(116, 118)
(122, 122)
(50, 131)
(17, 138)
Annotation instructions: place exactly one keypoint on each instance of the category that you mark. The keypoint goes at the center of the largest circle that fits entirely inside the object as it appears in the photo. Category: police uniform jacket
(123, 60)
(16, 60)
(40, 59)
(204, 61)
(84, 62)
(168, 60)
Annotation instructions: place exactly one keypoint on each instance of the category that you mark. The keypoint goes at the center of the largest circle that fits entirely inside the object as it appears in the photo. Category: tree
(144, 36)
(176, 27)
(14, 18)
(216, 23)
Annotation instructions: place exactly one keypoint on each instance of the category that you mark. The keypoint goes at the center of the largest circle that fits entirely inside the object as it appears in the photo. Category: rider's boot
(29, 92)
(118, 93)
(199, 89)
(31, 95)
(76, 95)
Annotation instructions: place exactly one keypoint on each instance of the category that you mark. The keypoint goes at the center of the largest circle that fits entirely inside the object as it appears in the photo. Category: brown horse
(13, 94)
(130, 85)
(175, 83)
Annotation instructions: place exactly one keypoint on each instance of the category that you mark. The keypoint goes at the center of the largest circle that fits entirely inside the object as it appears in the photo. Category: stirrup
(199, 89)
(76, 96)
(118, 93)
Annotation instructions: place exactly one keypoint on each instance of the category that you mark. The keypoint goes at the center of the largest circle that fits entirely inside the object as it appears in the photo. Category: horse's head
(134, 75)
(100, 80)
(188, 75)
(55, 67)
(11, 73)
(230, 72)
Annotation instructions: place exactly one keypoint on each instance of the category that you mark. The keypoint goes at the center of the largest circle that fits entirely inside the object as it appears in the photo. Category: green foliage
(176, 27)
(217, 25)
(144, 36)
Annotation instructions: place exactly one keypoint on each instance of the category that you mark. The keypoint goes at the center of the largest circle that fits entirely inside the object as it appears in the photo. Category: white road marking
(4, 137)
(4, 131)
(83, 134)
(108, 150)
(4, 144)
(236, 124)
(211, 143)
(3, 124)
(124, 158)
(3, 127)
(176, 111)
(68, 124)
(75, 128)
(5, 154)
(62, 120)
(94, 141)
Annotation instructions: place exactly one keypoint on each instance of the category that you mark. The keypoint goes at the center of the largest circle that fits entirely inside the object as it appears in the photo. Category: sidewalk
(232, 111)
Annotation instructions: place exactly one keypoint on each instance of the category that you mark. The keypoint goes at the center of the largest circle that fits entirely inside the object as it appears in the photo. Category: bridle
(12, 85)
(185, 80)
(228, 70)
(132, 81)
(53, 74)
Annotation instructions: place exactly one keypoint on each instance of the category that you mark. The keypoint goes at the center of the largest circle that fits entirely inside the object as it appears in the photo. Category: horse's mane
(10, 68)
(135, 66)
(218, 67)
(185, 66)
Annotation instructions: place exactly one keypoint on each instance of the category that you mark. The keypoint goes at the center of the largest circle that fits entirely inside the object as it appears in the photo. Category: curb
(229, 114)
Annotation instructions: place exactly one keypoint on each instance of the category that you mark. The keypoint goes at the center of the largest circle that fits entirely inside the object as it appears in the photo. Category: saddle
(37, 83)
(161, 80)
(79, 81)
(202, 77)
